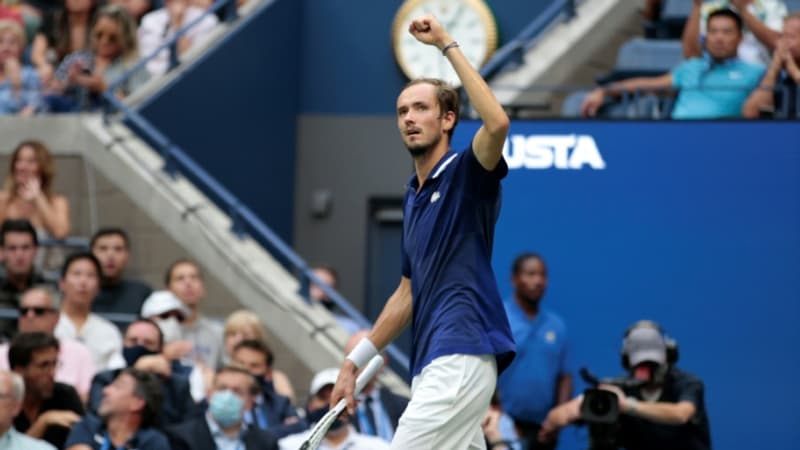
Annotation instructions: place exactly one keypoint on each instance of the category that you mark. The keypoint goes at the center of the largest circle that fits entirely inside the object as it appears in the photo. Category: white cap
(160, 302)
(323, 378)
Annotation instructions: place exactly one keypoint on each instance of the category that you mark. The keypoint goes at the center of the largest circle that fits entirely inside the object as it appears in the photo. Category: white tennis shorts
(449, 399)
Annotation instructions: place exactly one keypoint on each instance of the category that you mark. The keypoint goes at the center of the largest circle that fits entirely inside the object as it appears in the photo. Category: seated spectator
(160, 25)
(244, 325)
(20, 90)
(223, 425)
(778, 90)
(127, 416)
(329, 276)
(143, 345)
(117, 294)
(12, 391)
(272, 411)
(80, 281)
(185, 280)
(164, 308)
(341, 435)
(49, 408)
(28, 191)
(85, 75)
(711, 87)
(63, 30)
(19, 245)
(38, 312)
(379, 410)
(762, 25)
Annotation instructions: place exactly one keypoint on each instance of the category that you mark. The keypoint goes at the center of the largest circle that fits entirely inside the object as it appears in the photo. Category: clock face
(469, 22)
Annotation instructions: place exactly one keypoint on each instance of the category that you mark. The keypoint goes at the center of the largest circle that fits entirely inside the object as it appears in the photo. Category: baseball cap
(160, 302)
(645, 344)
(322, 379)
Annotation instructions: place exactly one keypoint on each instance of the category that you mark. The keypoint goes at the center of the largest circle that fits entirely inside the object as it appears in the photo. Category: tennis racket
(321, 428)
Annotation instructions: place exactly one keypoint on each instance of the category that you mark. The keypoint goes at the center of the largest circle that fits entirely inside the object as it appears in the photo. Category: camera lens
(600, 405)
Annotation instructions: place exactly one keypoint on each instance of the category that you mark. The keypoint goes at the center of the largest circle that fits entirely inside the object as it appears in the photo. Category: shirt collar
(437, 170)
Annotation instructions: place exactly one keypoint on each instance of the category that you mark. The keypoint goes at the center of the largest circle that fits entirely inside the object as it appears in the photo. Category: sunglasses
(113, 38)
(37, 311)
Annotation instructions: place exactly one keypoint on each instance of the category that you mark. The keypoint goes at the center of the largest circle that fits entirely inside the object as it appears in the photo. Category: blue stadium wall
(694, 225)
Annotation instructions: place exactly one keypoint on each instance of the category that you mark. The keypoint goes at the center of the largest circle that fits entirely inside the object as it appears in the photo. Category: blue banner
(693, 224)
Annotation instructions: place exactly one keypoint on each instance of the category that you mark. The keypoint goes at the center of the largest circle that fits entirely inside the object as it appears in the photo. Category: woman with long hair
(84, 75)
(63, 31)
(28, 191)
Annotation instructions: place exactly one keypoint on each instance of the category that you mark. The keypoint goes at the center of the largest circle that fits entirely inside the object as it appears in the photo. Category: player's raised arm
(488, 141)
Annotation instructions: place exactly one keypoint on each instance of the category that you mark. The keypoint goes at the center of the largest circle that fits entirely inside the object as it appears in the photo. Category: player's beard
(421, 149)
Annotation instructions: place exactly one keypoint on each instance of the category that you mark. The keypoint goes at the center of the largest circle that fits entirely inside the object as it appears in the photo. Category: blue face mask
(226, 408)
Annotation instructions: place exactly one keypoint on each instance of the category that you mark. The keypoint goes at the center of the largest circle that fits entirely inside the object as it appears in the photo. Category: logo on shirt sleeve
(435, 196)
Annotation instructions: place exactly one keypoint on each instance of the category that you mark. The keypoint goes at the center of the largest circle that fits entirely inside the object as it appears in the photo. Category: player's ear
(448, 121)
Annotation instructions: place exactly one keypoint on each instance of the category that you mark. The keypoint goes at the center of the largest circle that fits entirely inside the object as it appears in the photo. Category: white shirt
(354, 441)
(14, 440)
(100, 336)
(156, 29)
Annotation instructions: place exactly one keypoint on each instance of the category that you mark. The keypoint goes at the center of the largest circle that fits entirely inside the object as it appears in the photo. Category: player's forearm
(395, 316)
(494, 117)
(662, 412)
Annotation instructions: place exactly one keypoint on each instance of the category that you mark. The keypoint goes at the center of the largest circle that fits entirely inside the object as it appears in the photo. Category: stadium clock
(469, 22)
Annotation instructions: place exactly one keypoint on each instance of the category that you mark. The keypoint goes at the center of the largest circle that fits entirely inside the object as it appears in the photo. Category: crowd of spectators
(58, 57)
(171, 377)
(741, 61)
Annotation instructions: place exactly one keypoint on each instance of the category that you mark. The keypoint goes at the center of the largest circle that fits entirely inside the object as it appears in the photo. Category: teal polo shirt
(713, 90)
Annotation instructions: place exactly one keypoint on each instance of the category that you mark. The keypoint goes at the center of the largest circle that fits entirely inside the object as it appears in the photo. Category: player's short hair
(446, 95)
(259, 346)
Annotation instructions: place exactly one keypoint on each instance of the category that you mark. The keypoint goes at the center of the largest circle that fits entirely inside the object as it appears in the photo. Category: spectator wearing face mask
(223, 426)
(168, 312)
(142, 349)
(341, 434)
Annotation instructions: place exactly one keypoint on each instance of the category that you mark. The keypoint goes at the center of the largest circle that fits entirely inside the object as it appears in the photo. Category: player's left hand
(428, 30)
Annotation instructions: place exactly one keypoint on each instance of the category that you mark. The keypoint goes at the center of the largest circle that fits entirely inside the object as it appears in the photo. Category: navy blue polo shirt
(448, 230)
(91, 431)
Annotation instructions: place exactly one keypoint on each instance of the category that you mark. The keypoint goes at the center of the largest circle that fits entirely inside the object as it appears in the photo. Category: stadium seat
(673, 17)
(572, 104)
(644, 57)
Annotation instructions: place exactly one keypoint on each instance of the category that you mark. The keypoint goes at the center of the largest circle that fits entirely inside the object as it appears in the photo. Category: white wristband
(363, 353)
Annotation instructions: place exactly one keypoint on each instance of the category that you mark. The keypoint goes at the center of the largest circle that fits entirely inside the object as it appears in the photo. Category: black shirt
(64, 398)
(640, 434)
(125, 297)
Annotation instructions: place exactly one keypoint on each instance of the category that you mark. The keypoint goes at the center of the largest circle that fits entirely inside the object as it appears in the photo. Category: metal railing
(514, 50)
(243, 219)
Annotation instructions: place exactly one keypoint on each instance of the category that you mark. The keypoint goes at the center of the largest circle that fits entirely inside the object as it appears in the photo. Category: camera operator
(665, 411)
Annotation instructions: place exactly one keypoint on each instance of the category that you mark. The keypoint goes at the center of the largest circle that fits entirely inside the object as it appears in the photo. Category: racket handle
(368, 373)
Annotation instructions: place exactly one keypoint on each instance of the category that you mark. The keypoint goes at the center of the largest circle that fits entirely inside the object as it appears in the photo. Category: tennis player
(461, 337)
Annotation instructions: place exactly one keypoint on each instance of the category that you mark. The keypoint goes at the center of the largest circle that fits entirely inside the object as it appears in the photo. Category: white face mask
(170, 328)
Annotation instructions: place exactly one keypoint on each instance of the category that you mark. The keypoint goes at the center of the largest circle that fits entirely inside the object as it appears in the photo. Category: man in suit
(272, 411)
(380, 409)
(143, 344)
(222, 427)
